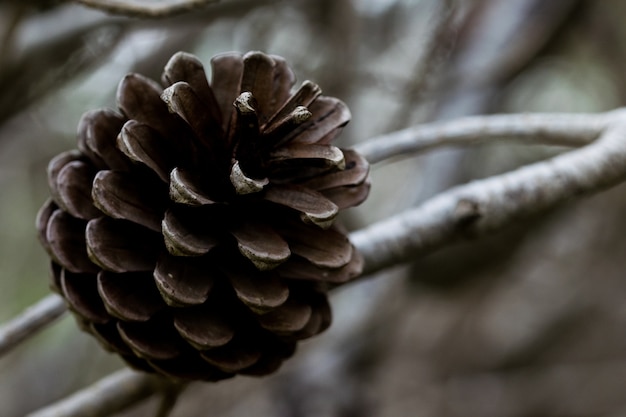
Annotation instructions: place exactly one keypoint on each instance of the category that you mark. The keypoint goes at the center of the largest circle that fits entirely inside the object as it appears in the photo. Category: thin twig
(483, 206)
(146, 8)
(35, 318)
(111, 394)
(551, 129)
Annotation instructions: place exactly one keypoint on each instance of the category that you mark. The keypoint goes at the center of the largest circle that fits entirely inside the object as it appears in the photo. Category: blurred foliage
(524, 323)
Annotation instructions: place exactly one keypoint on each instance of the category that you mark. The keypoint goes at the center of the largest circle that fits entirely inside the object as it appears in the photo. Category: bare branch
(35, 318)
(114, 393)
(483, 206)
(562, 129)
(146, 8)
(466, 211)
(551, 129)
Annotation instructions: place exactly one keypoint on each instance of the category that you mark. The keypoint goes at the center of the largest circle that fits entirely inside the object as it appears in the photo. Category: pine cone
(192, 232)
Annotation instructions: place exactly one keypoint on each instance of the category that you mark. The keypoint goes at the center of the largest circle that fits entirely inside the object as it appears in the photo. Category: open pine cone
(192, 233)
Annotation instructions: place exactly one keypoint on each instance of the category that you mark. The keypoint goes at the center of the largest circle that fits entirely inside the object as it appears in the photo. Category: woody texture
(193, 230)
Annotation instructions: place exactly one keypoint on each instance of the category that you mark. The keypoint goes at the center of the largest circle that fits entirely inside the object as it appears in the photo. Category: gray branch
(35, 318)
(550, 129)
(471, 210)
(481, 207)
(145, 8)
(111, 394)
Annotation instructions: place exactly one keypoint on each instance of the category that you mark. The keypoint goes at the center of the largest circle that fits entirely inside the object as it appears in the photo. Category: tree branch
(111, 394)
(551, 129)
(146, 8)
(35, 318)
(487, 205)
(470, 210)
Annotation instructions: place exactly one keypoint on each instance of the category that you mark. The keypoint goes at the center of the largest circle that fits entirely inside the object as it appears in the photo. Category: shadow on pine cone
(192, 233)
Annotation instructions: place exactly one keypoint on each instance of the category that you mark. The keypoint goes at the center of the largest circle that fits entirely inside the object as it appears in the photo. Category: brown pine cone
(192, 232)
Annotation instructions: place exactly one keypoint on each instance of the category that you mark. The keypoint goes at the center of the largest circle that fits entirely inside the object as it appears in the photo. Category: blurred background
(527, 322)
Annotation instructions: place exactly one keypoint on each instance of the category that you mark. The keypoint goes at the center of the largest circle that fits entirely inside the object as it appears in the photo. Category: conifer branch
(466, 211)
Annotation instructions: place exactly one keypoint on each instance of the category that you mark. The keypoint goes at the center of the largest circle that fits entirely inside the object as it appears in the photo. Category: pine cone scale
(227, 71)
(347, 196)
(203, 327)
(324, 155)
(73, 187)
(186, 67)
(184, 189)
(191, 366)
(268, 80)
(183, 237)
(183, 101)
(129, 296)
(283, 80)
(41, 223)
(121, 246)
(265, 248)
(232, 358)
(66, 237)
(303, 97)
(155, 339)
(327, 249)
(109, 337)
(354, 174)
(139, 99)
(260, 293)
(313, 206)
(54, 168)
(328, 115)
(289, 318)
(97, 131)
(184, 282)
(81, 293)
(141, 143)
(300, 269)
(120, 196)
